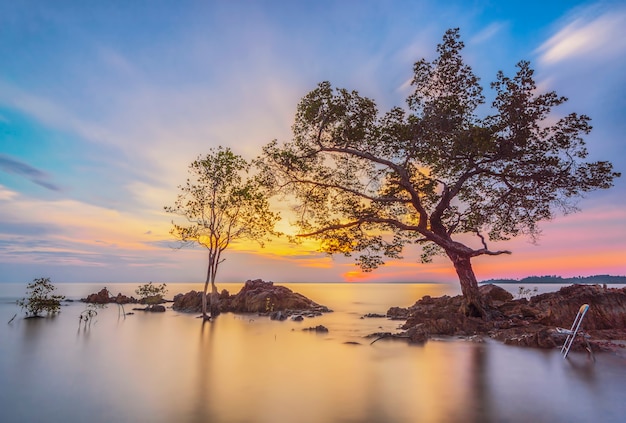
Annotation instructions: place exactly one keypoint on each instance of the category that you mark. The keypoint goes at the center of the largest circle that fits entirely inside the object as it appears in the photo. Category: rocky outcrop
(522, 322)
(607, 307)
(256, 296)
(103, 297)
(191, 302)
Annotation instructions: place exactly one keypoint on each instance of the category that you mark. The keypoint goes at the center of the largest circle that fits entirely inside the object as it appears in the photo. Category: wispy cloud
(27, 171)
(601, 37)
(488, 32)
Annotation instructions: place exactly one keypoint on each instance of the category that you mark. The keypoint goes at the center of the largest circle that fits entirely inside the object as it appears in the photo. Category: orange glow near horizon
(356, 276)
(581, 244)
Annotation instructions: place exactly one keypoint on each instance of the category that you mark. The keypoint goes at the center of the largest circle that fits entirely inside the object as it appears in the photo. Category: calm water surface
(169, 367)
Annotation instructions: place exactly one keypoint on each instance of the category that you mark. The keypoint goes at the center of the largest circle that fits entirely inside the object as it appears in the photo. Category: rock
(278, 315)
(297, 318)
(374, 315)
(523, 322)
(495, 293)
(258, 296)
(607, 307)
(318, 328)
(157, 308)
(123, 299)
(191, 302)
(418, 334)
(398, 313)
(103, 297)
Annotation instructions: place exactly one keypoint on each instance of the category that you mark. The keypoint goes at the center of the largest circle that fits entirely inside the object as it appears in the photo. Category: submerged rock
(278, 315)
(373, 316)
(318, 328)
(156, 308)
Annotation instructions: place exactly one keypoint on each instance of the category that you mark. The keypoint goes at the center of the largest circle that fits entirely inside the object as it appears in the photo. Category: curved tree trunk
(474, 304)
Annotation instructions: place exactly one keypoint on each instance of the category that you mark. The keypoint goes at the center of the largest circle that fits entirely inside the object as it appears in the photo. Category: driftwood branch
(389, 335)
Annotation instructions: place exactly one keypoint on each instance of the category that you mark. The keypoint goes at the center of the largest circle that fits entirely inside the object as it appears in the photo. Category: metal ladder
(573, 331)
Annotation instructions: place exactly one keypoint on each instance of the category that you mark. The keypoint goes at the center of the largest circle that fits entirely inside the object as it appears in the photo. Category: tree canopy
(371, 183)
(220, 203)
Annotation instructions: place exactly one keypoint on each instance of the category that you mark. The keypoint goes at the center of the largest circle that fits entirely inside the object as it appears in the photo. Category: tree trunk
(474, 305)
(215, 301)
(205, 315)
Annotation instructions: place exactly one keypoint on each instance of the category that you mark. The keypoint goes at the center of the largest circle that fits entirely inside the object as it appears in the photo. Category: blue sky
(104, 104)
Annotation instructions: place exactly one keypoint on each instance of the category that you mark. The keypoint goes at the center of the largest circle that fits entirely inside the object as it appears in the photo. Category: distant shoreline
(538, 280)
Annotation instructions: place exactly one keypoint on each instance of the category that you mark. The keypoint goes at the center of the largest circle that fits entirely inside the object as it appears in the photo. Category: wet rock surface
(524, 322)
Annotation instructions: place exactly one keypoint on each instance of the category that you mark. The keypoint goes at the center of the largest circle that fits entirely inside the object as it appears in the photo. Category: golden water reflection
(245, 368)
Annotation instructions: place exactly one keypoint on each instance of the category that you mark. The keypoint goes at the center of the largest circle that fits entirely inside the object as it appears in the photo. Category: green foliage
(40, 298)
(371, 183)
(151, 294)
(222, 203)
(269, 305)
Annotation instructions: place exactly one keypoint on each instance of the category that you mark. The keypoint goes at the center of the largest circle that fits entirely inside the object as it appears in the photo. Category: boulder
(398, 313)
(278, 315)
(122, 299)
(191, 302)
(102, 297)
(265, 297)
(494, 293)
(157, 308)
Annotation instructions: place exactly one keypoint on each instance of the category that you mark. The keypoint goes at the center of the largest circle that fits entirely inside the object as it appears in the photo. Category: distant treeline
(597, 279)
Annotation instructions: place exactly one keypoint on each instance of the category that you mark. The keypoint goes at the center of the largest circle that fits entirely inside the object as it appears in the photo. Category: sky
(103, 105)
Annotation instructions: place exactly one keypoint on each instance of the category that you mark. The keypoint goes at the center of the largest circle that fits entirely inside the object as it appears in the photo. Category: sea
(172, 367)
